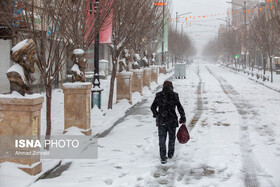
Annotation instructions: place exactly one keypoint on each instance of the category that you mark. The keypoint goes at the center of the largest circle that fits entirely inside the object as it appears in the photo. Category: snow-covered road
(235, 139)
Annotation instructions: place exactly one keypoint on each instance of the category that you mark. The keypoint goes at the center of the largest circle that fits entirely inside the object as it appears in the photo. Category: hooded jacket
(164, 106)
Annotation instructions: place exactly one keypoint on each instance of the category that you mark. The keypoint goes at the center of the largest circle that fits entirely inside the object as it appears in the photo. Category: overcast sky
(200, 34)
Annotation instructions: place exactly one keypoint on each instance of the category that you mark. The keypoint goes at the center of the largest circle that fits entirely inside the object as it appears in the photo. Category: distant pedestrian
(163, 109)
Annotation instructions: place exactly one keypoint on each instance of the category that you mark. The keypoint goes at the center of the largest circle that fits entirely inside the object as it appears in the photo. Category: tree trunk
(264, 67)
(235, 61)
(112, 83)
(61, 76)
(48, 111)
(253, 61)
(271, 69)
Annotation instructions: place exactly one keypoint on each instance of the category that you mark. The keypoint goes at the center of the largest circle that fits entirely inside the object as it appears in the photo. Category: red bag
(183, 135)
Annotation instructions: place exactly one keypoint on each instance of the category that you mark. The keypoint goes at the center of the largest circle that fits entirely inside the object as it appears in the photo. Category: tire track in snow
(199, 109)
(250, 164)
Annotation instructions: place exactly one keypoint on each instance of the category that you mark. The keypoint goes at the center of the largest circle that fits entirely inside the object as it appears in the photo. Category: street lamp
(163, 24)
(227, 20)
(96, 91)
(177, 16)
(245, 24)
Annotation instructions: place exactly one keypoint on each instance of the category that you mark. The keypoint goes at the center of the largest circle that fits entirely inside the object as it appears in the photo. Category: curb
(127, 112)
(256, 81)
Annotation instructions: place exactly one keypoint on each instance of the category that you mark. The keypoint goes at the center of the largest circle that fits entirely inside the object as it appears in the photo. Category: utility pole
(182, 30)
(245, 24)
(96, 81)
(227, 20)
(163, 24)
(162, 55)
(177, 18)
(96, 91)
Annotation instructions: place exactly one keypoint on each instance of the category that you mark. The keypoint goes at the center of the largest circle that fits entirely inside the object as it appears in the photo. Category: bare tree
(180, 45)
(45, 22)
(51, 42)
(265, 37)
(55, 26)
(130, 20)
(87, 20)
(227, 43)
(148, 27)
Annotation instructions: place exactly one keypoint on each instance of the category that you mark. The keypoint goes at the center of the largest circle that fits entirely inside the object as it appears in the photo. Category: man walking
(163, 109)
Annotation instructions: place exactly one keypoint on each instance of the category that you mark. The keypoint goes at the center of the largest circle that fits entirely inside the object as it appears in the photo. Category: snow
(235, 140)
(76, 68)
(137, 56)
(19, 45)
(102, 73)
(87, 76)
(154, 66)
(138, 70)
(18, 69)
(123, 60)
(11, 176)
(31, 14)
(96, 89)
(126, 73)
(78, 51)
(145, 59)
(76, 85)
(96, 81)
(17, 95)
(74, 131)
(103, 61)
(257, 76)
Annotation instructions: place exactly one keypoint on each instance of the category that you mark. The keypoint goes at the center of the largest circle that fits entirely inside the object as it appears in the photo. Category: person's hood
(167, 88)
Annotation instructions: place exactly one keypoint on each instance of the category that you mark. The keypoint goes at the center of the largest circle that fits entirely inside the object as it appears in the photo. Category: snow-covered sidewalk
(100, 122)
(257, 76)
(236, 126)
(235, 139)
(129, 154)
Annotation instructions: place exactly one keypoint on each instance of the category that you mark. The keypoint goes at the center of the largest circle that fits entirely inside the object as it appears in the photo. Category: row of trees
(261, 35)
(136, 25)
(180, 46)
(54, 26)
(60, 26)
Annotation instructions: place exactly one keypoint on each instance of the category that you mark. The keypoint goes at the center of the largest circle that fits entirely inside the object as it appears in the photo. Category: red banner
(105, 34)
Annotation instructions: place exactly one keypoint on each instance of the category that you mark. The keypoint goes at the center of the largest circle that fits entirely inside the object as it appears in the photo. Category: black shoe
(163, 161)
(170, 156)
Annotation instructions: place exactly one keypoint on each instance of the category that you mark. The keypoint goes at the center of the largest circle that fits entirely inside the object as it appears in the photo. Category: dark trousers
(162, 133)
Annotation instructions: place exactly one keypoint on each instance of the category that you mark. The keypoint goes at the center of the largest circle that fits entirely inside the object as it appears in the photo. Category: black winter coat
(164, 105)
